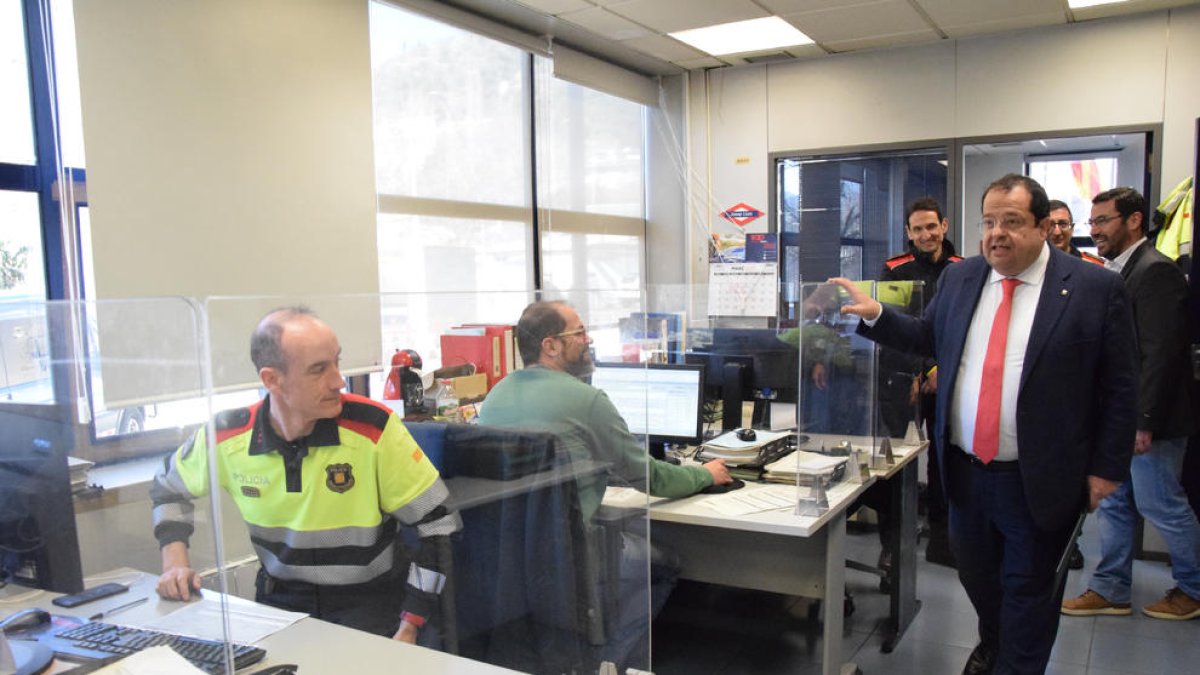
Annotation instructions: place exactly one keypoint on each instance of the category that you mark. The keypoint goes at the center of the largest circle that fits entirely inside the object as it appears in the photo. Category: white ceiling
(633, 33)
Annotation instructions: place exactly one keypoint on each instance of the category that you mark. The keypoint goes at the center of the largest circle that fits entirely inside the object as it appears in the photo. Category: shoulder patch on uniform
(363, 416)
(1095, 260)
(893, 263)
(955, 258)
(232, 419)
(229, 423)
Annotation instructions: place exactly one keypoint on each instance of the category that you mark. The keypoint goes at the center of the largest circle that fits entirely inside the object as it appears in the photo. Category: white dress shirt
(1117, 264)
(965, 401)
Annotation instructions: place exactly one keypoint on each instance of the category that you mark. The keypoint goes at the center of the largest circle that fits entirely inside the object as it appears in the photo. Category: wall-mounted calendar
(743, 289)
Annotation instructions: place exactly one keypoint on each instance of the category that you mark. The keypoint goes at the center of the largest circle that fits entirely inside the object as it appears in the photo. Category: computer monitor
(663, 402)
(745, 364)
(39, 546)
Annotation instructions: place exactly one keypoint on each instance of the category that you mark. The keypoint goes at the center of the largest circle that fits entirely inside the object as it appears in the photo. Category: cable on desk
(23, 598)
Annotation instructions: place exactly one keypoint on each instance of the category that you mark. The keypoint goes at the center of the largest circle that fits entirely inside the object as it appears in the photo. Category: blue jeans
(1153, 491)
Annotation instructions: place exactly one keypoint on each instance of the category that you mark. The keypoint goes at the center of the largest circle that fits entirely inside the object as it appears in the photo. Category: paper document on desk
(744, 502)
(249, 621)
(625, 497)
(805, 462)
(151, 661)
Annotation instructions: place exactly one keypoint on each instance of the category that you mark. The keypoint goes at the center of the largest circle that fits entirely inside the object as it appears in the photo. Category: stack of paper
(734, 451)
(79, 472)
(804, 465)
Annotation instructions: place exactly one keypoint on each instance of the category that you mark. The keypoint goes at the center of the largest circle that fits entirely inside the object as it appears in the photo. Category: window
(16, 116)
(843, 215)
(463, 123)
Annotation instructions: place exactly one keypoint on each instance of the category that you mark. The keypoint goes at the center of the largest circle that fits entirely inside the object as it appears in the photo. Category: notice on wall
(743, 289)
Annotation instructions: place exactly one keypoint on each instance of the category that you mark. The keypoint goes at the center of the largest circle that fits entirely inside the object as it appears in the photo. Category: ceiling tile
(881, 41)
(697, 64)
(605, 23)
(882, 17)
(963, 12)
(666, 16)
(781, 7)
(1001, 25)
(806, 51)
(663, 47)
(556, 6)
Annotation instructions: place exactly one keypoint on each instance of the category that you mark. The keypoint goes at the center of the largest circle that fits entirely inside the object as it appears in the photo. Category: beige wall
(1135, 70)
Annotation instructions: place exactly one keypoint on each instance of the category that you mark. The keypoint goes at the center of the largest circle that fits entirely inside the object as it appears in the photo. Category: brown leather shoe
(1177, 606)
(1092, 603)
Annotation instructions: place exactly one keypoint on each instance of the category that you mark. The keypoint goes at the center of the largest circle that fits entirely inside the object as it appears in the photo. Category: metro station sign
(742, 214)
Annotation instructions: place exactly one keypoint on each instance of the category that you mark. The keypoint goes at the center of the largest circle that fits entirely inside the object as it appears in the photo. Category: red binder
(505, 333)
(483, 351)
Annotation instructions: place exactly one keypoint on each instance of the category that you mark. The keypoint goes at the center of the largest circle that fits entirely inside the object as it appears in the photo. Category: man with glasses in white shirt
(1033, 422)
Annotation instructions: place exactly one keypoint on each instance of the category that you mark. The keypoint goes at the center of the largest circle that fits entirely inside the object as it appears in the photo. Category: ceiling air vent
(769, 58)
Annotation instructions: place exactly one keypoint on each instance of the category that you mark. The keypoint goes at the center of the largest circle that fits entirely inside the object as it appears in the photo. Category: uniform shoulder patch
(236, 418)
(1088, 257)
(230, 423)
(364, 416)
(894, 262)
(955, 258)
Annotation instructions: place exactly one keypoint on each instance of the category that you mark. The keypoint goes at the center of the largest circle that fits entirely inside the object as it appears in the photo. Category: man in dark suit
(1160, 307)
(1033, 421)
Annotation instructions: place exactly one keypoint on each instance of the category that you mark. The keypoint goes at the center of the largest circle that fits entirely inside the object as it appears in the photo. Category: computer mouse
(714, 489)
(746, 435)
(25, 619)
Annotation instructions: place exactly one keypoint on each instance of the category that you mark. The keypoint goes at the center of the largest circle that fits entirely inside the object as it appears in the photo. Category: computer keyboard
(96, 637)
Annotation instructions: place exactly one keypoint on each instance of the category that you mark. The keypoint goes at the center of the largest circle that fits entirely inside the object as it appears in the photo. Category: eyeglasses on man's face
(1101, 221)
(568, 333)
(1062, 224)
(1007, 223)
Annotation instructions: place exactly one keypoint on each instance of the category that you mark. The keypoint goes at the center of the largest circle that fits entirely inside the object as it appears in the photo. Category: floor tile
(708, 630)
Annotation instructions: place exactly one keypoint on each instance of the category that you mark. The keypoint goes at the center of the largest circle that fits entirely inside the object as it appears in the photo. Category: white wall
(1135, 70)
(229, 149)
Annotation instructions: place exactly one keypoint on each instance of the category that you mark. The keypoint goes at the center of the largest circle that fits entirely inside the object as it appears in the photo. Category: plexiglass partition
(532, 552)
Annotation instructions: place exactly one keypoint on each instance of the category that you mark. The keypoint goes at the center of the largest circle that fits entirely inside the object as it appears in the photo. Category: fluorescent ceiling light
(755, 35)
(1080, 4)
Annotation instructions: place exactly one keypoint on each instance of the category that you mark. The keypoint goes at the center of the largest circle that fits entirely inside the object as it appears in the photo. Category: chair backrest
(523, 587)
(484, 452)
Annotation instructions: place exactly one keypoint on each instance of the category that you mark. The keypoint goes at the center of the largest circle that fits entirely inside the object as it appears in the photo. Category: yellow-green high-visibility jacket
(321, 509)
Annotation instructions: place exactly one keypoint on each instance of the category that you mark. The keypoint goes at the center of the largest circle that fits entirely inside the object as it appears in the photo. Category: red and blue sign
(742, 214)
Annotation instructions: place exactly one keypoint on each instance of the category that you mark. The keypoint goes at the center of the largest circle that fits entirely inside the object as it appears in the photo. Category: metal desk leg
(903, 542)
(832, 658)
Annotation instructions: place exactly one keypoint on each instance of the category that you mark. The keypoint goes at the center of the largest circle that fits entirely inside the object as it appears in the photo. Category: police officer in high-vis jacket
(321, 478)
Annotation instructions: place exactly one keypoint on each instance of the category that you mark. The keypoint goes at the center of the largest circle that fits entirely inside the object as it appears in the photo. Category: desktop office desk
(316, 646)
(902, 540)
(774, 551)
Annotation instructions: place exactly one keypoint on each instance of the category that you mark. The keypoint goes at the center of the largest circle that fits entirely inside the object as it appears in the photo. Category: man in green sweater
(548, 395)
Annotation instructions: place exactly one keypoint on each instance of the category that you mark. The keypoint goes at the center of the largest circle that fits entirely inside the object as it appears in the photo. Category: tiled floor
(708, 630)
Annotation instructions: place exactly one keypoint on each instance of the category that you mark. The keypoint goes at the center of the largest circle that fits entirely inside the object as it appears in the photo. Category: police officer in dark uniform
(929, 252)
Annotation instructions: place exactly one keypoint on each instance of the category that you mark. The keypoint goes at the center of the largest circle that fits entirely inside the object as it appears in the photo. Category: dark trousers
(373, 607)
(935, 496)
(1005, 563)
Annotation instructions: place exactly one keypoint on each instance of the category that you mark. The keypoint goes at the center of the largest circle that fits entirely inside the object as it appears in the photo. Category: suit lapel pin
(1064, 292)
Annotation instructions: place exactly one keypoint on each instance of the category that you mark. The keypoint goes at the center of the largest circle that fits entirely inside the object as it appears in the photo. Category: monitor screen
(661, 401)
(771, 365)
(38, 541)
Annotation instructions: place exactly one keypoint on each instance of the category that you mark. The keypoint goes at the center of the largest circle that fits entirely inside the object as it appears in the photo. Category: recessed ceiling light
(755, 35)
(1080, 4)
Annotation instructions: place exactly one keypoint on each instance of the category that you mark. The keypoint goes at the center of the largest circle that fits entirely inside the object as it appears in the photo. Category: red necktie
(987, 417)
